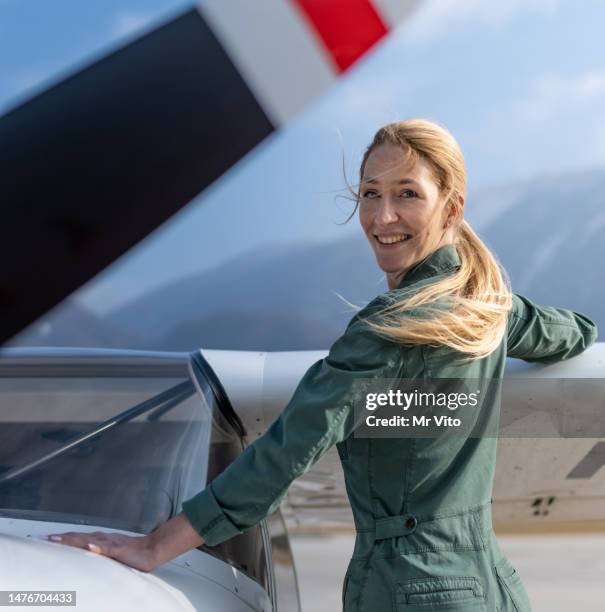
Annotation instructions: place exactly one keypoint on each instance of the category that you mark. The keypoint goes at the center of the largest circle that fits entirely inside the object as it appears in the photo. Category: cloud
(556, 124)
(380, 93)
(438, 17)
(552, 95)
(380, 96)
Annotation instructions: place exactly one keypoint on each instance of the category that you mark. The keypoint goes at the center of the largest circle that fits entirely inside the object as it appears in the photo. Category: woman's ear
(450, 216)
(455, 210)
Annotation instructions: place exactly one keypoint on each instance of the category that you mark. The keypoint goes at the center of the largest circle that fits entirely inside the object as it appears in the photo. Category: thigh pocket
(509, 579)
(454, 593)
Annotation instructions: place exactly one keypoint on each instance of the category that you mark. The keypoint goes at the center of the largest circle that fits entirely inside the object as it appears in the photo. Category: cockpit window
(116, 452)
(113, 441)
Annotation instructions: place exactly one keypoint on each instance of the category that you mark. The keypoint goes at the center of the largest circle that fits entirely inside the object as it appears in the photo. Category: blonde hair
(478, 293)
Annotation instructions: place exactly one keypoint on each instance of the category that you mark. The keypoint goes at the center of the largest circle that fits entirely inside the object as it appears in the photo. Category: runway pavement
(561, 572)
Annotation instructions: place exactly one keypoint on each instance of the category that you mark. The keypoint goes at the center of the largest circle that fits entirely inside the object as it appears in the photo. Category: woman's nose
(386, 212)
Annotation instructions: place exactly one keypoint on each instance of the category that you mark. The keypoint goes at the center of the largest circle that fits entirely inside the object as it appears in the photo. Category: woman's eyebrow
(404, 181)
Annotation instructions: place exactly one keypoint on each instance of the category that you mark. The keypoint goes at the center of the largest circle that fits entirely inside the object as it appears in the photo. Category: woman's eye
(372, 195)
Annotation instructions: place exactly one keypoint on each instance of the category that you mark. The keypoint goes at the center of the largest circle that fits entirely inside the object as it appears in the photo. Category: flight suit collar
(443, 259)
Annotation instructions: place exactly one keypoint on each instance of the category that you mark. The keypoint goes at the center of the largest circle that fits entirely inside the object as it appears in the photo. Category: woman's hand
(144, 553)
(137, 551)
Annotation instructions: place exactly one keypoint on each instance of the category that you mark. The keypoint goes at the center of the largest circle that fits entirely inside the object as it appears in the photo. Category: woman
(422, 506)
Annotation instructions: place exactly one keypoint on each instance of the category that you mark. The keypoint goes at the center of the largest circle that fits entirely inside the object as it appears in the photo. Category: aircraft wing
(541, 482)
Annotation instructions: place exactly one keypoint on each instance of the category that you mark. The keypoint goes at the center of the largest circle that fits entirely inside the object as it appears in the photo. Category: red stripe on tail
(347, 28)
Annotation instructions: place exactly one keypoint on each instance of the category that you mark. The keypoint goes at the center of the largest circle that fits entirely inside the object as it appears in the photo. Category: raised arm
(545, 334)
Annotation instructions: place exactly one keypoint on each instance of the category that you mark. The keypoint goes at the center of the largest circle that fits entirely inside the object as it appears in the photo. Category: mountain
(551, 242)
(71, 324)
(548, 233)
(278, 298)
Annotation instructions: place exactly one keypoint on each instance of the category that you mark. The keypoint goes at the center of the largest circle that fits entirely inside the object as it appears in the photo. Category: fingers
(103, 545)
(99, 549)
(96, 542)
(80, 540)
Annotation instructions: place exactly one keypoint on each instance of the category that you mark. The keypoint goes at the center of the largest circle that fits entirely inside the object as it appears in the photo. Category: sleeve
(319, 414)
(545, 334)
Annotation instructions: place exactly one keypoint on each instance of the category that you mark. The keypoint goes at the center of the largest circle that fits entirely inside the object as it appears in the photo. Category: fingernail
(55, 538)
(94, 548)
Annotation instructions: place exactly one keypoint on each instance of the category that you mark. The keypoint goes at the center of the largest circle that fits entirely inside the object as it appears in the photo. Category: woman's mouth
(391, 241)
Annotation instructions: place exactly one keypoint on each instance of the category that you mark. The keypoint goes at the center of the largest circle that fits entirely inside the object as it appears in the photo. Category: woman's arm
(320, 414)
(545, 334)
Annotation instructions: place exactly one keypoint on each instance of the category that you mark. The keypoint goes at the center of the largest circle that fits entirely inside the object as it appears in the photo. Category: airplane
(116, 440)
(70, 413)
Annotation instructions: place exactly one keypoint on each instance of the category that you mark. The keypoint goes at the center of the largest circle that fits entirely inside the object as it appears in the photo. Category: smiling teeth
(392, 239)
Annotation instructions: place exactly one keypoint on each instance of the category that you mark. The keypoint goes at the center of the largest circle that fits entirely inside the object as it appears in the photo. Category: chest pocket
(453, 593)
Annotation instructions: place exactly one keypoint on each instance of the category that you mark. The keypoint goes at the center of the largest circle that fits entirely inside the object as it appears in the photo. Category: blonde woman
(422, 506)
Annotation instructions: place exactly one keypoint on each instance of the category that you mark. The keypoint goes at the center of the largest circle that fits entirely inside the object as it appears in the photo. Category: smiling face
(401, 211)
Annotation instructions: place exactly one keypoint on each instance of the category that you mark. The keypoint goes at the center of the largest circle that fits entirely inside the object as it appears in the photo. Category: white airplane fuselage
(192, 581)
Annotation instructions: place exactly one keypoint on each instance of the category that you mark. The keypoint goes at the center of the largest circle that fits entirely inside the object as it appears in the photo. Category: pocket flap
(506, 570)
(439, 590)
(511, 581)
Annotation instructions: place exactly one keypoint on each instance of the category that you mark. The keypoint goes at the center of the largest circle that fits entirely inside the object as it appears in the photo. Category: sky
(520, 84)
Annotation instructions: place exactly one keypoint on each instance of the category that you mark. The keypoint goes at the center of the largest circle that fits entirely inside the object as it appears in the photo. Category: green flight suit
(422, 507)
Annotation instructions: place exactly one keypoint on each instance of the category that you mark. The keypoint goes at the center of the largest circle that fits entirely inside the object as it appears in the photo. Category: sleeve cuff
(208, 519)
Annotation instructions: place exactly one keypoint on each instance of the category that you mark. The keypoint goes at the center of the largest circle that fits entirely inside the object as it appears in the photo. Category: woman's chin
(391, 266)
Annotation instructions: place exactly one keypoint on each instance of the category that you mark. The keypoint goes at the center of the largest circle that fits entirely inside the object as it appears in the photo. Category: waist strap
(407, 523)
(395, 526)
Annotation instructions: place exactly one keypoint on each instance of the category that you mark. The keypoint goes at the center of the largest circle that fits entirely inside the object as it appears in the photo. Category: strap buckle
(395, 526)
